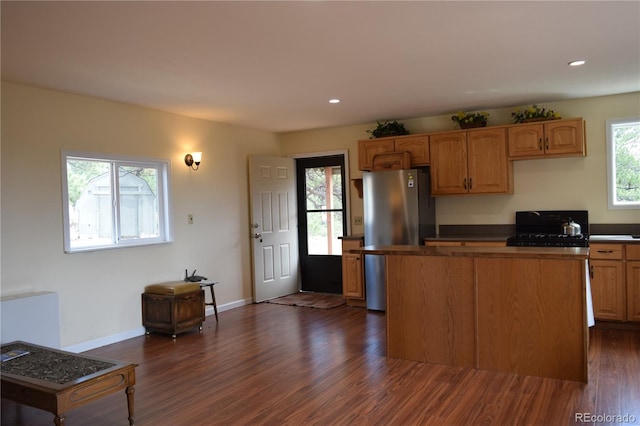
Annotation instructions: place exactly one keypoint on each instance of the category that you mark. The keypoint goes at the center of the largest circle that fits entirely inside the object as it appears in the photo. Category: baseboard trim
(140, 331)
(615, 325)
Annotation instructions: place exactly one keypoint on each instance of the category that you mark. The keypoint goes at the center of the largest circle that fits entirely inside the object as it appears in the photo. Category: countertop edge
(567, 253)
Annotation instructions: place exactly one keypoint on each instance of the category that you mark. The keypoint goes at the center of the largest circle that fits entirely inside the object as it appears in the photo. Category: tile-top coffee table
(58, 381)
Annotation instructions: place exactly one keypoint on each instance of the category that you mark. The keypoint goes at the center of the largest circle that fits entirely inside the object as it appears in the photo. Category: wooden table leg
(130, 390)
(215, 305)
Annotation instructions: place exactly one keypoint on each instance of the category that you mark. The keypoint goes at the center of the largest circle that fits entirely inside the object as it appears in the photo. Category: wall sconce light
(191, 159)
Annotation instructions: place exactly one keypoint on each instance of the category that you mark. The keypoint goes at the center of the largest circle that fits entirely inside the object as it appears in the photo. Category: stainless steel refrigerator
(398, 209)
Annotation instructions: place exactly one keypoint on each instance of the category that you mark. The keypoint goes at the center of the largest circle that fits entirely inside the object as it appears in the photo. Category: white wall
(564, 183)
(99, 292)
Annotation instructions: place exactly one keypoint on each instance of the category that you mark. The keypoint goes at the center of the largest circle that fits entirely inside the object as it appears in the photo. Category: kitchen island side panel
(531, 317)
(430, 309)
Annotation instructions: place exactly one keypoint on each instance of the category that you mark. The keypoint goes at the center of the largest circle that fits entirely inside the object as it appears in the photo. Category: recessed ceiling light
(334, 101)
(577, 63)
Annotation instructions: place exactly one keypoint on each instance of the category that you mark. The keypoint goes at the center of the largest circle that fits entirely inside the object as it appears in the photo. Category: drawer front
(351, 245)
(605, 251)
(633, 251)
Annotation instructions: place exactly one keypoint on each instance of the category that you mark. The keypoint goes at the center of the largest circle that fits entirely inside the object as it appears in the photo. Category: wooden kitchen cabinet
(554, 138)
(608, 287)
(633, 282)
(416, 145)
(470, 162)
(353, 273)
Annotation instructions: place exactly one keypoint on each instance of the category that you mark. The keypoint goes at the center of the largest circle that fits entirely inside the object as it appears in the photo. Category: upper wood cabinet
(471, 162)
(417, 146)
(555, 138)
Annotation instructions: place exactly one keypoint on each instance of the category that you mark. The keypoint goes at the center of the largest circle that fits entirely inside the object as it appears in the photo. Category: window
(623, 163)
(113, 202)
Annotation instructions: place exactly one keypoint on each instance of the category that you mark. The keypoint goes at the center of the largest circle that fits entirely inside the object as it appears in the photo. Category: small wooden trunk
(173, 313)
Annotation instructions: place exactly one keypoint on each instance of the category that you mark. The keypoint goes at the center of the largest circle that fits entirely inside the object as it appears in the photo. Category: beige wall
(99, 291)
(564, 183)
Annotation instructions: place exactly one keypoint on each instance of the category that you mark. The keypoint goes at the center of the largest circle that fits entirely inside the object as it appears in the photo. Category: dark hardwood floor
(270, 364)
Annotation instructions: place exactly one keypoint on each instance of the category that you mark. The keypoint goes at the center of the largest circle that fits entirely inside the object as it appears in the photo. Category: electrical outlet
(357, 220)
(190, 219)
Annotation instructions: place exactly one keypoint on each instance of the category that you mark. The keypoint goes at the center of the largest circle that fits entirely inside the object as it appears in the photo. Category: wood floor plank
(270, 364)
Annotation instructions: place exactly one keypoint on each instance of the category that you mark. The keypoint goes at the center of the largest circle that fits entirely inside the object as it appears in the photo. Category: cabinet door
(633, 282)
(449, 163)
(367, 149)
(633, 291)
(564, 137)
(352, 287)
(391, 161)
(352, 270)
(608, 289)
(490, 171)
(417, 147)
(526, 140)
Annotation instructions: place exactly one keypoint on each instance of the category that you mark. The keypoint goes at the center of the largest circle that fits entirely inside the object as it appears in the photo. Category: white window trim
(166, 231)
(611, 166)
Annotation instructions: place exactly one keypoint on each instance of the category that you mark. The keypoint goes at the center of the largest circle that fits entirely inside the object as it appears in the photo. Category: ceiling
(275, 65)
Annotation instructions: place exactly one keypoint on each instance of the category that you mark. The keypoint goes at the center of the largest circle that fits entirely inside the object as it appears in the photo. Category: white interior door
(274, 234)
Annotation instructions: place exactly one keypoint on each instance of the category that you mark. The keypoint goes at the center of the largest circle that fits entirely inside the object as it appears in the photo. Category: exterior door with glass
(321, 221)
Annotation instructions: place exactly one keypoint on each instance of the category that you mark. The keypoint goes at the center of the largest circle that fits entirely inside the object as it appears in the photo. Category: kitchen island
(512, 309)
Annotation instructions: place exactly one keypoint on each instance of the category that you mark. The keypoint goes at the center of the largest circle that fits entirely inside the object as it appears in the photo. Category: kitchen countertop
(567, 253)
(623, 239)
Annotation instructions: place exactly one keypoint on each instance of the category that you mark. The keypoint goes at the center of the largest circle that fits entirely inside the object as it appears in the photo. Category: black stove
(544, 229)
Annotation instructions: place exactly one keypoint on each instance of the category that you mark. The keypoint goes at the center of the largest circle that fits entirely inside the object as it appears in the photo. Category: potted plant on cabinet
(534, 113)
(467, 120)
(388, 128)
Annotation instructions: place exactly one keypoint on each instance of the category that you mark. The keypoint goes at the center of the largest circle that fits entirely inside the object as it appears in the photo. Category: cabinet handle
(591, 271)
(540, 144)
(605, 251)
(546, 143)
(464, 183)
(470, 184)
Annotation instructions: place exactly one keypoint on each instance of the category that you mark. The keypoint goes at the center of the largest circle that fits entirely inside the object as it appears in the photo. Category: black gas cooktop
(543, 228)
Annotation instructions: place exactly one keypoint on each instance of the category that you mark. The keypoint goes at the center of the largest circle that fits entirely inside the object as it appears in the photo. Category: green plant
(533, 112)
(388, 128)
(464, 118)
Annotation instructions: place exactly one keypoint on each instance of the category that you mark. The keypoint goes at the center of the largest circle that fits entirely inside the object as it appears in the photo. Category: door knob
(257, 235)
(254, 225)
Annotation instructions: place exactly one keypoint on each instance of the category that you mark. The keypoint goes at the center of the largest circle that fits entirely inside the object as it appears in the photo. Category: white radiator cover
(31, 317)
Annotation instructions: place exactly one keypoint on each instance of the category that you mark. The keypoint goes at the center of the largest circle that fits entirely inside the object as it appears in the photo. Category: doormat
(310, 300)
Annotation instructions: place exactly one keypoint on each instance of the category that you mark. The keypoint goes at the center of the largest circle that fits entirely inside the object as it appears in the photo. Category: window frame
(163, 167)
(611, 167)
